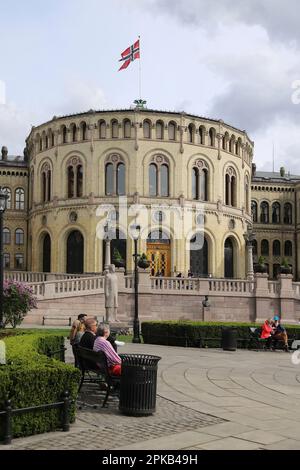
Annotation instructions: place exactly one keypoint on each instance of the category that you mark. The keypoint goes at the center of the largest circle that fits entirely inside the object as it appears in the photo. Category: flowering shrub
(18, 299)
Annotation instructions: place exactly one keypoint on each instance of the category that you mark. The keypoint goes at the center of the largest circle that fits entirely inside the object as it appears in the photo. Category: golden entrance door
(159, 255)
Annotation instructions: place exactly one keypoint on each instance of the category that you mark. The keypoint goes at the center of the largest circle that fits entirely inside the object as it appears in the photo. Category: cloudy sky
(236, 60)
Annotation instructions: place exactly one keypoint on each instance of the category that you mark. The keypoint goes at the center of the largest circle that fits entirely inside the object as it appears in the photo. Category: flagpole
(140, 71)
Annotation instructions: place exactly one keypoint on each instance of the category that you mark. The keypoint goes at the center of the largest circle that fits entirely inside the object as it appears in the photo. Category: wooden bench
(94, 369)
(256, 342)
(65, 319)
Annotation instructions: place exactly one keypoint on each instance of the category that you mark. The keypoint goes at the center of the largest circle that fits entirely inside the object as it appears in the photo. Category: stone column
(107, 254)
(250, 270)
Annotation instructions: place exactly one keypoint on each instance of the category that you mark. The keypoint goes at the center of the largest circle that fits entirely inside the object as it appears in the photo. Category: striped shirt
(101, 344)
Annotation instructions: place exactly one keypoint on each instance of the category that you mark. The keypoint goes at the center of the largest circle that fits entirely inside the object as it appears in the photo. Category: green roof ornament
(140, 103)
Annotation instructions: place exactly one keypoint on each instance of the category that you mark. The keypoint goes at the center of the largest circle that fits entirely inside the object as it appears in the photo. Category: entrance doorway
(75, 247)
(47, 254)
(159, 253)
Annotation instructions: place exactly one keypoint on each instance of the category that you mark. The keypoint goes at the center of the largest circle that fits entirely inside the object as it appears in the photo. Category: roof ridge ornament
(140, 104)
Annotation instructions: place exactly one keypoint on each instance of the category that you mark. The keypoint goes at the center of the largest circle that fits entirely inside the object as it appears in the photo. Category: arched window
(159, 177)
(201, 135)
(6, 260)
(75, 178)
(164, 180)
(147, 129)
(7, 191)
(200, 180)
(288, 248)
(212, 137)
(114, 129)
(52, 138)
(20, 199)
(264, 248)
(288, 213)
(172, 130)
(83, 130)
(195, 183)
(225, 140)
(238, 147)
(74, 132)
(121, 179)
(153, 180)
(159, 130)
(264, 212)
(64, 134)
(254, 247)
(230, 187)
(276, 213)
(276, 248)
(254, 211)
(19, 236)
(46, 141)
(19, 261)
(102, 130)
(199, 255)
(247, 194)
(127, 129)
(75, 252)
(46, 182)
(46, 247)
(228, 259)
(231, 144)
(191, 133)
(115, 176)
(6, 236)
(41, 144)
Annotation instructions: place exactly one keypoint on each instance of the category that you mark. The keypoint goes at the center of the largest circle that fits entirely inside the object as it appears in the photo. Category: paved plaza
(207, 399)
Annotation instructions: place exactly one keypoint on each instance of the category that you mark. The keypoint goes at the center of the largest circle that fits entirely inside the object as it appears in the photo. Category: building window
(6, 236)
(19, 261)
(231, 144)
(115, 177)
(172, 131)
(264, 212)
(19, 236)
(159, 178)
(288, 213)
(230, 187)
(6, 260)
(276, 248)
(74, 132)
(75, 178)
(202, 135)
(247, 194)
(147, 129)
(159, 130)
(64, 135)
(164, 180)
(200, 181)
(20, 199)
(114, 129)
(265, 248)
(127, 129)
(102, 130)
(212, 137)
(254, 211)
(153, 180)
(191, 133)
(83, 130)
(7, 191)
(46, 183)
(276, 213)
(288, 248)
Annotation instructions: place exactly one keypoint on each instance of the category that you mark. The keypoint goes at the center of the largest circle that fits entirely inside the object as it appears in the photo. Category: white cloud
(80, 97)
(14, 127)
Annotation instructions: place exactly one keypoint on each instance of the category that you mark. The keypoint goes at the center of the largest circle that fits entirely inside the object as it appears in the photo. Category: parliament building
(80, 174)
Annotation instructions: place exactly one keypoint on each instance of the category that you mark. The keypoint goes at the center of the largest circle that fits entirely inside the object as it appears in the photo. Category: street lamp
(135, 231)
(3, 199)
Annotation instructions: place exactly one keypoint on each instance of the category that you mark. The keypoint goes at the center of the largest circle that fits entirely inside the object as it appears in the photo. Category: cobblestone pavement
(207, 399)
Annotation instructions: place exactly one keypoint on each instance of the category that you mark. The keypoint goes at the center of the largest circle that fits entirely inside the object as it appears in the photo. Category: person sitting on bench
(88, 338)
(279, 333)
(267, 331)
(102, 344)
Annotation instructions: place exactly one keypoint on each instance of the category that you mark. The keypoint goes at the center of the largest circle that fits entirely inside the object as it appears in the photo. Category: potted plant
(117, 259)
(143, 261)
(260, 267)
(285, 268)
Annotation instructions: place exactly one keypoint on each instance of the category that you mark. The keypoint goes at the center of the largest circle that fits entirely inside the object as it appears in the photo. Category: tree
(18, 300)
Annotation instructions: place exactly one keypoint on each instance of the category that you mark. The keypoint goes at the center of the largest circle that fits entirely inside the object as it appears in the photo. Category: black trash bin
(138, 384)
(229, 338)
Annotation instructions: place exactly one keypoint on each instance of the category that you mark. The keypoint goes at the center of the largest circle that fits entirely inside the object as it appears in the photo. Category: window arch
(20, 199)
(52, 139)
(212, 137)
(276, 213)
(201, 135)
(191, 133)
(264, 248)
(238, 144)
(7, 191)
(74, 132)
(46, 182)
(102, 129)
(19, 236)
(172, 130)
(114, 129)
(6, 260)
(127, 129)
(264, 212)
(254, 211)
(159, 130)
(115, 176)
(147, 129)
(225, 140)
(288, 213)
(230, 187)
(159, 177)
(6, 236)
(64, 134)
(83, 130)
(231, 144)
(288, 248)
(74, 177)
(200, 181)
(276, 248)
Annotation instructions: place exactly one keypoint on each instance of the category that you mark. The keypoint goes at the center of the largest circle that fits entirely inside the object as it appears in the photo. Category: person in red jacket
(267, 331)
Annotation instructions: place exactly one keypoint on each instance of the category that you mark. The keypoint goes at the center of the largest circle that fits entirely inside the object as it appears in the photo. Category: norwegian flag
(130, 54)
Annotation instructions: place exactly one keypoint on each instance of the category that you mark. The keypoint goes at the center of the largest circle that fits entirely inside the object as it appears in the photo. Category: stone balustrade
(29, 277)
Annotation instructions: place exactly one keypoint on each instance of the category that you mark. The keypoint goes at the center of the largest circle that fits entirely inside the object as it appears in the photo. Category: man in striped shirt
(101, 344)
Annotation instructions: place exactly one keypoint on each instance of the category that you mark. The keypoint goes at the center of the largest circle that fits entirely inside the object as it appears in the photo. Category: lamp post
(249, 237)
(3, 198)
(135, 230)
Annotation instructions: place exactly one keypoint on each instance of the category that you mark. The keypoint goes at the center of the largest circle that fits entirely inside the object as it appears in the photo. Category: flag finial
(140, 103)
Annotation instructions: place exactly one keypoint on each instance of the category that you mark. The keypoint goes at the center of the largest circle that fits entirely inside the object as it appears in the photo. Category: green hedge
(30, 378)
(192, 334)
